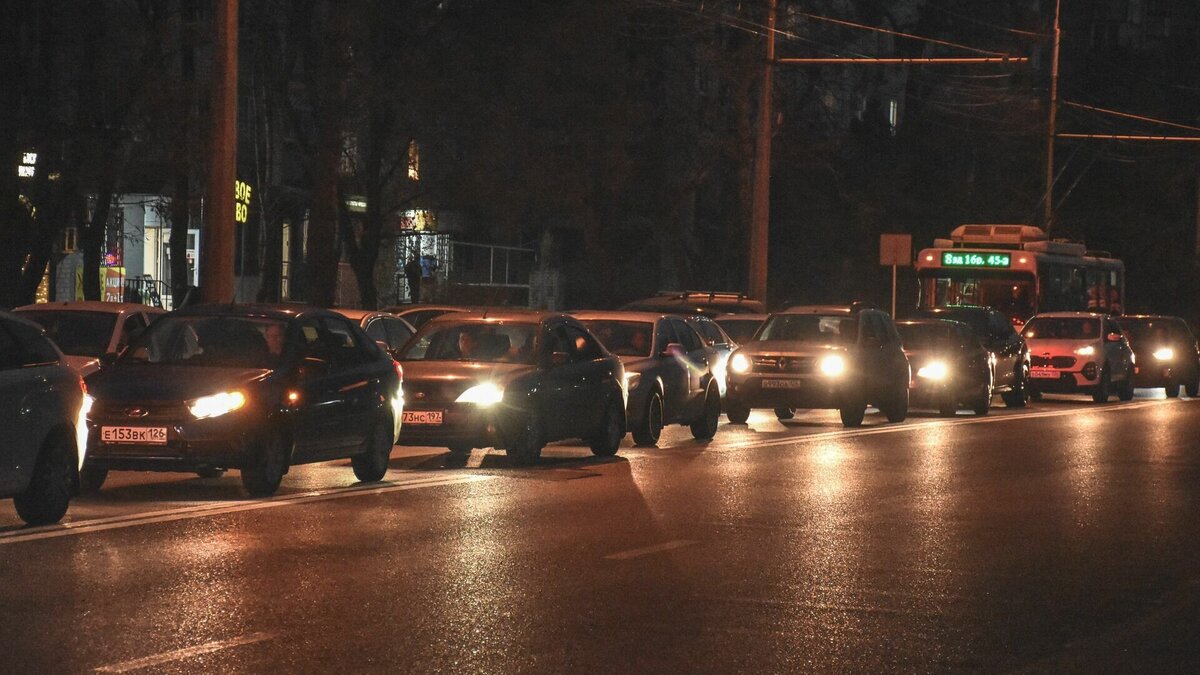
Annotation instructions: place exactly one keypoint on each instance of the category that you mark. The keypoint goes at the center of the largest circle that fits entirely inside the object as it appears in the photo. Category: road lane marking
(187, 652)
(649, 550)
(206, 510)
(900, 428)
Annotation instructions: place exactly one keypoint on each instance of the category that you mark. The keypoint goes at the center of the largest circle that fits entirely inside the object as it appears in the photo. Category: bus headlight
(832, 365)
(934, 370)
(1164, 353)
(739, 363)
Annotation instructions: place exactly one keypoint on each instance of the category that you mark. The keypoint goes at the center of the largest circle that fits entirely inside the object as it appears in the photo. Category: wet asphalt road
(1060, 537)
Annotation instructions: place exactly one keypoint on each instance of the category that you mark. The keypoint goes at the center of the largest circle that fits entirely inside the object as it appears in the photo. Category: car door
(1003, 341)
(398, 332)
(673, 370)
(698, 356)
(319, 404)
(562, 380)
(356, 375)
(29, 404)
(1119, 354)
(873, 356)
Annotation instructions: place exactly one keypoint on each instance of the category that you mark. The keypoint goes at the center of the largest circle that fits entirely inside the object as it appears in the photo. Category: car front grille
(800, 365)
(137, 413)
(1052, 361)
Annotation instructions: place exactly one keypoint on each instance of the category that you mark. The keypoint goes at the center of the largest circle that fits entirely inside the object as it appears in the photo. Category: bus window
(1097, 290)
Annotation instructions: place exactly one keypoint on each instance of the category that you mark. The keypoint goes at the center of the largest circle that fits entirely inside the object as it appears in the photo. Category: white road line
(648, 550)
(901, 428)
(187, 513)
(180, 654)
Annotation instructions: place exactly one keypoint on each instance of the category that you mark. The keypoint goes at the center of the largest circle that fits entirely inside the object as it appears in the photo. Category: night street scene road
(636, 336)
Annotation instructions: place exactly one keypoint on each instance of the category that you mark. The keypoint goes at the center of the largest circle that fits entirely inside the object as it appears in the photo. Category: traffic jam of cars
(90, 388)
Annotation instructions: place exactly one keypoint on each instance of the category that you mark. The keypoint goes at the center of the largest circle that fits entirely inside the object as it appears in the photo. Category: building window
(414, 161)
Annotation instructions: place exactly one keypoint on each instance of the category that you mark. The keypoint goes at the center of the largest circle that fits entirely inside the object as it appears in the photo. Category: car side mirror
(674, 350)
(107, 359)
(559, 358)
(1112, 337)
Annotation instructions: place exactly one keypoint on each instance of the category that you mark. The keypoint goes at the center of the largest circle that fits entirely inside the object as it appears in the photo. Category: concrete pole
(217, 235)
(1048, 192)
(761, 206)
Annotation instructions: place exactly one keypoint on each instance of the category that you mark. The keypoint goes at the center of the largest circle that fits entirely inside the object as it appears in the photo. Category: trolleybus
(1018, 270)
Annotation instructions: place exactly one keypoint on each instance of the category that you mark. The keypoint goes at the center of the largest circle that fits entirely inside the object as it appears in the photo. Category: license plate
(782, 384)
(1044, 373)
(421, 417)
(139, 435)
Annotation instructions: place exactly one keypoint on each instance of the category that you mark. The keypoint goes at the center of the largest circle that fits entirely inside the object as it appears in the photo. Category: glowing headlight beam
(739, 363)
(1086, 351)
(1164, 353)
(483, 395)
(217, 404)
(935, 370)
(833, 365)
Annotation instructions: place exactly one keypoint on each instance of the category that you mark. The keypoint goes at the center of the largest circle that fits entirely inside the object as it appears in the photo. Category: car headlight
(1086, 351)
(833, 365)
(1164, 353)
(631, 380)
(484, 395)
(934, 370)
(217, 404)
(739, 363)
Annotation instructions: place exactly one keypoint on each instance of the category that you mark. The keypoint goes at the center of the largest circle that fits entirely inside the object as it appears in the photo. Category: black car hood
(144, 382)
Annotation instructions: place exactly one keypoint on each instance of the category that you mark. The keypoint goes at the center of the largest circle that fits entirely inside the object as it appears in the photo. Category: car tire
(371, 464)
(607, 440)
(266, 466)
(785, 413)
(1193, 388)
(896, 407)
(705, 428)
(649, 428)
(1103, 388)
(736, 412)
(460, 449)
(1019, 395)
(91, 478)
(1172, 390)
(1034, 394)
(948, 407)
(982, 405)
(1125, 391)
(46, 498)
(210, 473)
(853, 409)
(526, 446)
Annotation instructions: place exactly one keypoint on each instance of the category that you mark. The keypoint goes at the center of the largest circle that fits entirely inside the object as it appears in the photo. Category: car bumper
(769, 391)
(461, 424)
(928, 393)
(190, 444)
(1154, 376)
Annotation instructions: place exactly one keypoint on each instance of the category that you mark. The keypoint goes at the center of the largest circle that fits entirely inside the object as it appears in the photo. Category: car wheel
(948, 407)
(460, 449)
(210, 473)
(736, 412)
(266, 465)
(1034, 394)
(1102, 390)
(785, 413)
(706, 427)
(526, 446)
(648, 430)
(1018, 397)
(91, 478)
(372, 463)
(982, 405)
(1172, 390)
(607, 440)
(1125, 391)
(852, 410)
(896, 408)
(49, 492)
(1193, 388)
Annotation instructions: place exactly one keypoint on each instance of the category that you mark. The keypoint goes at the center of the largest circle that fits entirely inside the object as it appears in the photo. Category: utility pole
(217, 236)
(1048, 191)
(761, 207)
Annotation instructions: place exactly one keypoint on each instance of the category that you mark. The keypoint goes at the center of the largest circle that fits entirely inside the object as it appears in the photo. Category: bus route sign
(968, 259)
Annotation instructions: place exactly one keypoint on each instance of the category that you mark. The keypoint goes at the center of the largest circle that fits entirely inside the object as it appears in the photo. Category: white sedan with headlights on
(1079, 352)
(843, 357)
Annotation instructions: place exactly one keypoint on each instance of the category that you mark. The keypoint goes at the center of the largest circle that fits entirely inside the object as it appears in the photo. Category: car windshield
(1158, 331)
(492, 342)
(818, 328)
(214, 341)
(623, 338)
(927, 335)
(741, 330)
(976, 319)
(77, 333)
(1047, 328)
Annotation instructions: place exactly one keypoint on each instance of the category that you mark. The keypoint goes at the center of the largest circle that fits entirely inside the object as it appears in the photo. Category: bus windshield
(1011, 294)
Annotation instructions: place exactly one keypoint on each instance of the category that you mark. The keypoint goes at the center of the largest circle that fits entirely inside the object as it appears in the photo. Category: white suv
(1079, 352)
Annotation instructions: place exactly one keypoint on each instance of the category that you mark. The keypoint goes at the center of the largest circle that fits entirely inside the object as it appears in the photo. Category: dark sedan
(1167, 353)
(951, 367)
(1008, 349)
(671, 373)
(511, 380)
(251, 387)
